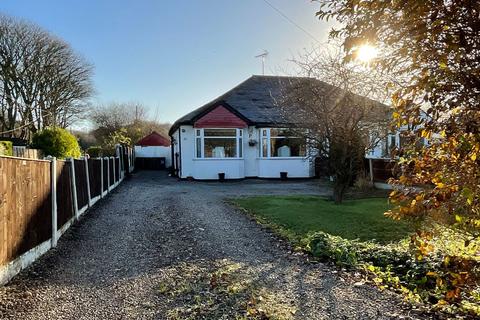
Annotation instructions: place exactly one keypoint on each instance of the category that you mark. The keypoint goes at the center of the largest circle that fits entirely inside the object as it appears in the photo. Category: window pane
(199, 147)
(220, 132)
(240, 147)
(264, 148)
(198, 132)
(287, 147)
(220, 147)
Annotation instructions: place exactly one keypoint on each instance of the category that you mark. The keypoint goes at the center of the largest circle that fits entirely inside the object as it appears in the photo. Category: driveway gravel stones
(158, 248)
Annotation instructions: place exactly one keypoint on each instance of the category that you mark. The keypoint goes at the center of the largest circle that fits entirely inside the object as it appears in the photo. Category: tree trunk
(338, 193)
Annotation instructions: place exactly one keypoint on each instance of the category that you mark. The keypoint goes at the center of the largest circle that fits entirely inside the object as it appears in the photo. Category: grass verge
(356, 235)
(300, 216)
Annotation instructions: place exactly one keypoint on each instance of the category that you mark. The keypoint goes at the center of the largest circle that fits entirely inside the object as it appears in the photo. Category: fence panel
(95, 171)
(81, 183)
(105, 175)
(125, 161)
(110, 161)
(64, 193)
(117, 169)
(23, 152)
(382, 169)
(25, 206)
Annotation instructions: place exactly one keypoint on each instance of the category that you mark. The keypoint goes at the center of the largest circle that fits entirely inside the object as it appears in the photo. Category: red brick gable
(220, 117)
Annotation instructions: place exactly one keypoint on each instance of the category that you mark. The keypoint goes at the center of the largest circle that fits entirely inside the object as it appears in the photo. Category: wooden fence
(380, 170)
(24, 152)
(41, 199)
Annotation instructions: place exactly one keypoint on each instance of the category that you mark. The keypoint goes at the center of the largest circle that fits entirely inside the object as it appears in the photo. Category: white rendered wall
(208, 169)
(295, 167)
(251, 154)
(187, 144)
(250, 166)
(155, 152)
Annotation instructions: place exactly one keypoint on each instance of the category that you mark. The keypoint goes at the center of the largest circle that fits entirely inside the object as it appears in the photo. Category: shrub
(363, 182)
(95, 151)
(351, 253)
(395, 265)
(56, 142)
(6, 148)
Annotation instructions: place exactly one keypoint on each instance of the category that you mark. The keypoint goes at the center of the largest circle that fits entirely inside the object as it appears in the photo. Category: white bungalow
(241, 134)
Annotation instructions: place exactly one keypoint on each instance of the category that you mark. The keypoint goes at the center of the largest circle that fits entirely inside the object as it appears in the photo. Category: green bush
(395, 266)
(6, 148)
(56, 142)
(95, 151)
(353, 252)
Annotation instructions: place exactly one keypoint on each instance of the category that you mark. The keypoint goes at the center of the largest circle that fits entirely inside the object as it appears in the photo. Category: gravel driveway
(158, 248)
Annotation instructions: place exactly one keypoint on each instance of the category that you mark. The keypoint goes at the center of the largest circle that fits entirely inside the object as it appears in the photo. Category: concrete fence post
(53, 176)
(122, 165)
(101, 177)
(74, 188)
(370, 168)
(88, 182)
(114, 172)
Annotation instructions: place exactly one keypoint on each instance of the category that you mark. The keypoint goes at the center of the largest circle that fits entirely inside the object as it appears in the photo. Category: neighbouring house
(153, 152)
(393, 140)
(380, 164)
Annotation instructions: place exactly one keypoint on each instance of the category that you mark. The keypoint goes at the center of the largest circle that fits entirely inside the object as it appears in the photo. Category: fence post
(122, 163)
(88, 182)
(53, 177)
(101, 177)
(74, 188)
(370, 167)
(114, 172)
(118, 151)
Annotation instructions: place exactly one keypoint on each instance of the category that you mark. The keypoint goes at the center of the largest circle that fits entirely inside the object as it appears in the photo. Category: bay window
(218, 143)
(281, 143)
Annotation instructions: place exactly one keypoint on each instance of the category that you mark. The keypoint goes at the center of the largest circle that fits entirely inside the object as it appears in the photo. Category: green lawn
(298, 216)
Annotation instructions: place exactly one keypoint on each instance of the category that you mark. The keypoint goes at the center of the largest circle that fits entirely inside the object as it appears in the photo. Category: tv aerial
(263, 56)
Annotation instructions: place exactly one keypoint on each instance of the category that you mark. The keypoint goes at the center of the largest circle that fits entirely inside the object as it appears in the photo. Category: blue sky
(173, 56)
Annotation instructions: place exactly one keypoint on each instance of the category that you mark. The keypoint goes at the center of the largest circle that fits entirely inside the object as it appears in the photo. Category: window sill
(206, 159)
(283, 158)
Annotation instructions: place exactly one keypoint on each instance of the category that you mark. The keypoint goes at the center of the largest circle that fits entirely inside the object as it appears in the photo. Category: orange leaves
(427, 134)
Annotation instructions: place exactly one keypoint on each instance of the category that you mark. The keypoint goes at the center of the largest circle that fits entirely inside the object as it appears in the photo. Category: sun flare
(366, 53)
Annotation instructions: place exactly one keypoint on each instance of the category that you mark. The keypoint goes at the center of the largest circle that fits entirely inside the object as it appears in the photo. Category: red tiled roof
(154, 139)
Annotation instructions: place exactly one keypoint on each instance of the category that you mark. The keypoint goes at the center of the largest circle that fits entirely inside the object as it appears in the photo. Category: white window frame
(200, 134)
(269, 149)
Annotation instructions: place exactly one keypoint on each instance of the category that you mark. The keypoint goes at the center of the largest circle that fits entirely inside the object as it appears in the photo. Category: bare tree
(333, 110)
(131, 118)
(114, 116)
(43, 82)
